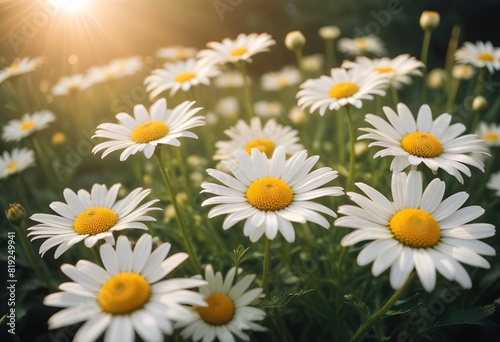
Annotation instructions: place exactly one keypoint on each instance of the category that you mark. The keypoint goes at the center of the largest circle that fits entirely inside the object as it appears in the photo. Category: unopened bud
(479, 104)
(436, 78)
(15, 214)
(58, 138)
(429, 20)
(295, 40)
(462, 71)
(329, 32)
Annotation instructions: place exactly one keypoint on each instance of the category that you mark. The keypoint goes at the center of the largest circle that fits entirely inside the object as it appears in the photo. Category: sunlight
(71, 5)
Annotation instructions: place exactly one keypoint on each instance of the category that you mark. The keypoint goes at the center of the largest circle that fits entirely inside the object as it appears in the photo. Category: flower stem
(423, 58)
(478, 89)
(455, 83)
(352, 140)
(364, 328)
(246, 87)
(340, 138)
(298, 57)
(265, 265)
(395, 96)
(331, 58)
(178, 215)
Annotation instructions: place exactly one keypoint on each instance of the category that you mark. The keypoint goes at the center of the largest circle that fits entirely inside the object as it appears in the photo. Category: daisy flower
(127, 295)
(228, 107)
(19, 66)
(115, 69)
(341, 88)
(479, 55)
(264, 138)
(228, 312)
(72, 84)
(144, 131)
(362, 46)
(270, 194)
(16, 161)
(240, 49)
(435, 143)
(176, 53)
(490, 133)
(268, 109)
(181, 75)
(398, 69)
(288, 76)
(230, 79)
(418, 230)
(494, 183)
(312, 63)
(16, 130)
(90, 217)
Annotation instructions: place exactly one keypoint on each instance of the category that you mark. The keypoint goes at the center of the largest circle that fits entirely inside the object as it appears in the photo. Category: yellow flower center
(238, 52)
(11, 167)
(362, 43)
(27, 125)
(124, 293)
(491, 136)
(485, 56)
(415, 228)
(421, 144)
(384, 70)
(149, 131)
(343, 90)
(184, 77)
(263, 145)
(15, 66)
(283, 81)
(220, 309)
(269, 194)
(95, 220)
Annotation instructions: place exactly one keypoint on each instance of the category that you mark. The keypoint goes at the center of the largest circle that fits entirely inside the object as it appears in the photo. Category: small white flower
(362, 45)
(494, 183)
(490, 133)
(16, 161)
(287, 76)
(176, 53)
(16, 130)
(19, 67)
(268, 109)
(479, 55)
(72, 85)
(115, 69)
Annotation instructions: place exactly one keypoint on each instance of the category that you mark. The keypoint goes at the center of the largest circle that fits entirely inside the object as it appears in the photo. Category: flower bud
(429, 20)
(436, 78)
(329, 32)
(479, 104)
(58, 139)
(462, 71)
(295, 40)
(15, 214)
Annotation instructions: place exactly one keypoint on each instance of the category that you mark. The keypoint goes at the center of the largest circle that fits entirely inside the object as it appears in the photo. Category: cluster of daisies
(266, 183)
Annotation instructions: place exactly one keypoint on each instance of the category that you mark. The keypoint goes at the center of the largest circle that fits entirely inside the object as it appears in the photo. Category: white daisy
(490, 133)
(494, 183)
(398, 69)
(268, 109)
(176, 53)
(416, 231)
(16, 161)
(240, 49)
(230, 79)
(228, 312)
(181, 75)
(144, 131)
(286, 77)
(127, 295)
(269, 194)
(90, 217)
(463, 71)
(362, 46)
(19, 66)
(313, 63)
(72, 84)
(16, 130)
(343, 87)
(264, 138)
(479, 55)
(115, 69)
(228, 107)
(435, 143)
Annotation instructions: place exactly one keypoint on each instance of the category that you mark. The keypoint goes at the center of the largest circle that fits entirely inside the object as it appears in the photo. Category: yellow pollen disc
(491, 136)
(15, 66)
(11, 167)
(421, 144)
(124, 293)
(149, 131)
(384, 70)
(485, 56)
(283, 81)
(27, 125)
(362, 43)
(415, 228)
(220, 309)
(95, 220)
(269, 194)
(263, 145)
(343, 90)
(238, 52)
(184, 77)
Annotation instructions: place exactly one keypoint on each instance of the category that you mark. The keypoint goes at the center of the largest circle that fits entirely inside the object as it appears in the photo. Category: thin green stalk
(340, 137)
(97, 253)
(452, 95)
(246, 88)
(179, 218)
(331, 58)
(395, 96)
(423, 58)
(298, 57)
(352, 157)
(42, 160)
(478, 89)
(364, 328)
(265, 265)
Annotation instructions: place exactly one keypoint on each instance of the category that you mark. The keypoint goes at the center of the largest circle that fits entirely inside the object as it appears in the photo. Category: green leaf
(475, 316)
(239, 252)
(359, 305)
(282, 300)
